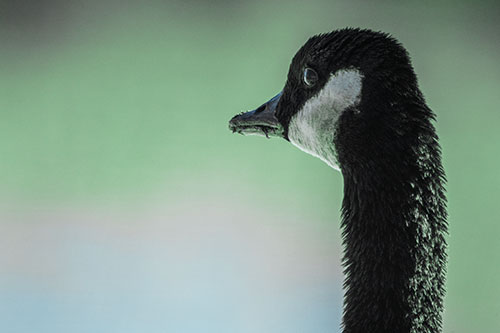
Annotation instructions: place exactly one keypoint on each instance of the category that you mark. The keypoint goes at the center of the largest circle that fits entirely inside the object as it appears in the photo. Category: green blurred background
(126, 205)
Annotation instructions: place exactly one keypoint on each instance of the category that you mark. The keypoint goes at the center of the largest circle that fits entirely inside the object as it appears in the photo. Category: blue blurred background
(126, 205)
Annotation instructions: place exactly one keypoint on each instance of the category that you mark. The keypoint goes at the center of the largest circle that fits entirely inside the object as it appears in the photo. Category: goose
(352, 99)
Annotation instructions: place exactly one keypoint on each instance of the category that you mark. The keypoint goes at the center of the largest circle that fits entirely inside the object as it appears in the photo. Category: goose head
(347, 95)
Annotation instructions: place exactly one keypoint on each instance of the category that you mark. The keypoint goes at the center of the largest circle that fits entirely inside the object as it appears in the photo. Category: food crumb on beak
(265, 132)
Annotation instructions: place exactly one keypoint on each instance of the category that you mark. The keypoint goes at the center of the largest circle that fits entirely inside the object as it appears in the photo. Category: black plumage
(394, 207)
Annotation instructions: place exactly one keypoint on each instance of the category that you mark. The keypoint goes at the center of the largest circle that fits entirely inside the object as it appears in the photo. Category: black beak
(261, 121)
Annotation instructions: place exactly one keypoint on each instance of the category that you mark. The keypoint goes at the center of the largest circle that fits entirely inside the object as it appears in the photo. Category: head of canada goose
(351, 98)
(345, 100)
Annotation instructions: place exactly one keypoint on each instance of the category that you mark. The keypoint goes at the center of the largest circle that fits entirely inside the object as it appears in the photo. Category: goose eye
(310, 77)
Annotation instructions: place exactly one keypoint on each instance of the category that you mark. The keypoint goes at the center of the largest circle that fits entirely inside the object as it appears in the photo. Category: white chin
(328, 157)
(312, 129)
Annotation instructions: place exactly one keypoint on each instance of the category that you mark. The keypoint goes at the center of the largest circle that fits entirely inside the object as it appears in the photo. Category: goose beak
(261, 121)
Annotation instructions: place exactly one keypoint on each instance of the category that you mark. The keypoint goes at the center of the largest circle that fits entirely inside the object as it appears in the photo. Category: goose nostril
(260, 108)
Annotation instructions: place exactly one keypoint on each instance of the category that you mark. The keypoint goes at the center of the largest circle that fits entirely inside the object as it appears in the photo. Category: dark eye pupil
(310, 76)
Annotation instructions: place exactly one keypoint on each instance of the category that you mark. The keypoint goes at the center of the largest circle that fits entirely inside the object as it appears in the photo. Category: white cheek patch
(312, 128)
